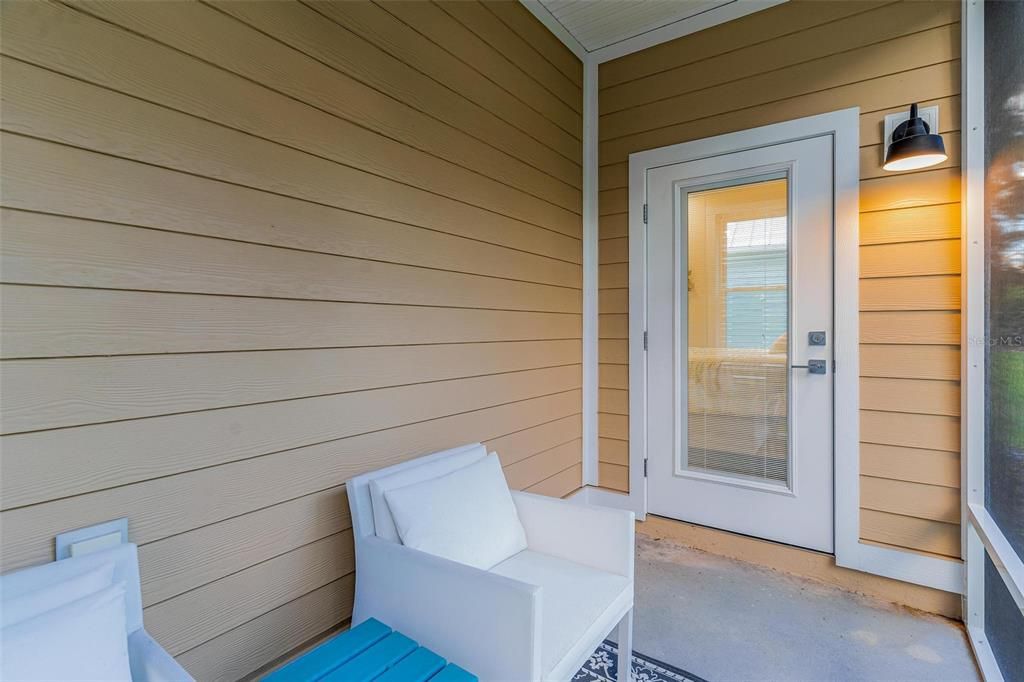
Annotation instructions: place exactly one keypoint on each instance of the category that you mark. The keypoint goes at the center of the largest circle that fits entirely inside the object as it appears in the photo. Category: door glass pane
(736, 259)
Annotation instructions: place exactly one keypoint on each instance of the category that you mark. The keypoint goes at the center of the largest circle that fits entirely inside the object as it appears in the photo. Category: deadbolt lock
(816, 338)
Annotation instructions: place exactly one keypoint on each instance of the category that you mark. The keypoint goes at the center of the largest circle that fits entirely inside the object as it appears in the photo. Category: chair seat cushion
(574, 600)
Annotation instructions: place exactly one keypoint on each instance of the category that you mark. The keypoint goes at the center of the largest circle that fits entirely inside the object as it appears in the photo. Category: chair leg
(625, 671)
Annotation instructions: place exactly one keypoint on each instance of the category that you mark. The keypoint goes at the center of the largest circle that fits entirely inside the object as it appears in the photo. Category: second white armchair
(537, 615)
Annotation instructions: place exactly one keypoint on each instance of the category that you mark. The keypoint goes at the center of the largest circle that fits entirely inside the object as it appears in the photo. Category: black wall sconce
(913, 145)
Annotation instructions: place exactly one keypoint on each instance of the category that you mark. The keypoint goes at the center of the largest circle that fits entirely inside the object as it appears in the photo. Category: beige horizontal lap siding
(800, 59)
(250, 250)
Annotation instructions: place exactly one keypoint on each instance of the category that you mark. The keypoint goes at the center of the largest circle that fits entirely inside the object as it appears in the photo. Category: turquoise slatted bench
(370, 651)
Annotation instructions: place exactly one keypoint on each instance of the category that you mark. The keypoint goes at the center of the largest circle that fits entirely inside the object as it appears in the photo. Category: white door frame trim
(844, 128)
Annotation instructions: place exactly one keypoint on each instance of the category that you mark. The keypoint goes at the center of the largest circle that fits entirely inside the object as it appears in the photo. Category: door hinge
(645, 339)
(645, 467)
(645, 214)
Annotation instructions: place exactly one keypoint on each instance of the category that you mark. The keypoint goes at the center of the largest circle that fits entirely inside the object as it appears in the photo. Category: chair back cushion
(125, 559)
(433, 467)
(467, 515)
(81, 640)
(17, 607)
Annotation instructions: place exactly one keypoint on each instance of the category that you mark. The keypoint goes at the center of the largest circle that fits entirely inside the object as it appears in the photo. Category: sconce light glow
(913, 145)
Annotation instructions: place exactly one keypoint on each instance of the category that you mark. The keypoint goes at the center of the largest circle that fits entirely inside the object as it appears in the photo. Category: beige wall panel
(238, 652)
(937, 292)
(614, 451)
(543, 465)
(934, 467)
(44, 464)
(910, 362)
(613, 276)
(81, 46)
(187, 560)
(795, 17)
(252, 251)
(935, 432)
(201, 614)
(378, 25)
(927, 82)
(526, 26)
(60, 392)
(613, 251)
(515, 447)
(114, 190)
(561, 484)
(47, 322)
(612, 226)
(612, 201)
(491, 30)
(862, 64)
(613, 301)
(875, 26)
(613, 401)
(921, 223)
(614, 351)
(908, 190)
(322, 136)
(613, 326)
(613, 176)
(82, 115)
(171, 505)
(613, 376)
(613, 476)
(465, 27)
(913, 327)
(919, 500)
(910, 395)
(105, 188)
(938, 257)
(613, 426)
(334, 78)
(923, 535)
(66, 252)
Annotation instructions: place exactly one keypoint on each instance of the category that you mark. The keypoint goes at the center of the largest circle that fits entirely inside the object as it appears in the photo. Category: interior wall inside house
(251, 249)
(800, 59)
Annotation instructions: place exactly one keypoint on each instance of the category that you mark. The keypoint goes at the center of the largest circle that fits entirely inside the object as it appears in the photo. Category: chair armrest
(486, 623)
(599, 537)
(150, 663)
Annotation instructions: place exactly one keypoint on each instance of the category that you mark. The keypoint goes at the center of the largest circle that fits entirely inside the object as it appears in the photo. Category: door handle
(813, 366)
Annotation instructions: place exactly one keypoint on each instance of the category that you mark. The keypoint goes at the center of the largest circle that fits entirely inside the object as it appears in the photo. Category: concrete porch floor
(726, 620)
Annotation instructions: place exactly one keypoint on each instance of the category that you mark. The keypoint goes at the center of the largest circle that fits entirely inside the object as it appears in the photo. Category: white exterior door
(740, 338)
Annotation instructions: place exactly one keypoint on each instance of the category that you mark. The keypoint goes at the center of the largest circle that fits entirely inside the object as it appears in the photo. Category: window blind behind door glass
(738, 312)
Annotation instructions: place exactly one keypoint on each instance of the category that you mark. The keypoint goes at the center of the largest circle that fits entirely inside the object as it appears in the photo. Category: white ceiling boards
(599, 23)
(607, 29)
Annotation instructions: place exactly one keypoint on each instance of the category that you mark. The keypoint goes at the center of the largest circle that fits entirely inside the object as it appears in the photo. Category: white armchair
(535, 616)
(148, 661)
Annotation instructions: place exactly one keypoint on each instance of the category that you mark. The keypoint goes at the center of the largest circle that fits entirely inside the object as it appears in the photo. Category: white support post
(590, 273)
